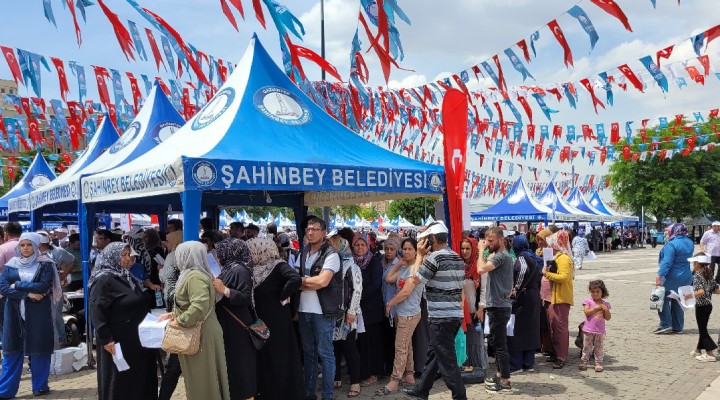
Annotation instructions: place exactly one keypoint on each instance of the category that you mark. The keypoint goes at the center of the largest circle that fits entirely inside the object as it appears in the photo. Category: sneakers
(499, 387)
(696, 352)
(705, 358)
(660, 331)
(491, 380)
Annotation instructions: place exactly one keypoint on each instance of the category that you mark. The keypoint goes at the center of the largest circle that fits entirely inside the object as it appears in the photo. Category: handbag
(258, 330)
(181, 340)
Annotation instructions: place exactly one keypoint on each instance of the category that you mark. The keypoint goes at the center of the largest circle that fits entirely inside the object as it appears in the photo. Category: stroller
(74, 318)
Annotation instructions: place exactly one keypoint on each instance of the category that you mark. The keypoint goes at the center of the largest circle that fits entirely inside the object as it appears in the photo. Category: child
(704, 286)
(597, 311)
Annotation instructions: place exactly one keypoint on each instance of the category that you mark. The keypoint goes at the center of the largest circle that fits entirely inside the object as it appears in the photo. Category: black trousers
(442, 358)
(499, 317)
(653, 241)
(171, 378)
(714, 262)
(702, 315)
(347, 348)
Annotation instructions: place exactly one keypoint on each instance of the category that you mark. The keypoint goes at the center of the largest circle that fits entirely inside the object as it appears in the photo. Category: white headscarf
(22, 262)
(191, 256)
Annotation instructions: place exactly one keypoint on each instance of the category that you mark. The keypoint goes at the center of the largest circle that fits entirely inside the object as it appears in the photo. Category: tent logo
(204, 174)
(435, 181)
(163, 131)
(214, 109)
(281, 106)
(39, 180)
(127, 137)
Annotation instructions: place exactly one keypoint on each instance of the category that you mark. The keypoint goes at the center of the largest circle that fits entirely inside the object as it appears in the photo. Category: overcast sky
(444, 38)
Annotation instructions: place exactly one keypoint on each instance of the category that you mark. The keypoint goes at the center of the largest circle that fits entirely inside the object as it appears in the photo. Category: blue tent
(600, 205)
(518, 205)
(577, 200)
(261, 140)
(563, 211)
(38, 175)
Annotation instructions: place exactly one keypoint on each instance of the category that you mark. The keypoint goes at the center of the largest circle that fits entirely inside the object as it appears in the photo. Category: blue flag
(168, 52)
(137, 41)
(600, 129)
(514, 110)
(628, 132)
(79, 71)
(698, 117)
(571, 133)
(117, 87)
(697, 42)
(517, 64)
(517, 132)
(659, 77)
(570, 96)
(681, 82)
(535, 36)
(663, 122)
(545, 109)
(586, 24)
(148, 83)
(544, 132)
(47, 7)
(492, 73)
(607, 86)
(81, 4)
(523, 150)
(488, 111)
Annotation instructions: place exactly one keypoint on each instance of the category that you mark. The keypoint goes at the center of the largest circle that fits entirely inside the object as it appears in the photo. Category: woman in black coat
(117, 307)
(274, 281)
(235, 285)
(370, 342)
(527, 306)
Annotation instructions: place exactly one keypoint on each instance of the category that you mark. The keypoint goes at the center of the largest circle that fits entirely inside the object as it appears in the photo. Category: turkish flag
(695, 74)
(614, 132)
(455, 128)
(135, 91)
(13, 64)
(610, 7)
(34, 132)
(664, 53)
(523, 101)
(625, 69)
(705, 62)
(60, 67)
(586, 83)
(101, 73)
(555, 28)
(523, 45)
(155, 50)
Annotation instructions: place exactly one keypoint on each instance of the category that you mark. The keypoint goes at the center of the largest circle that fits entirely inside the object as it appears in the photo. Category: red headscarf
(471, 264)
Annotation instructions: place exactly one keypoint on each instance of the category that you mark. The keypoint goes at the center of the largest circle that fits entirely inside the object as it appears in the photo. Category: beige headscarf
(191, 256)
(173, 239)
(265, 257)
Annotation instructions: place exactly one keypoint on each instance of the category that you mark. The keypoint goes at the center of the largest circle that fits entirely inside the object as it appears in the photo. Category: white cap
(716, 223)
(433, 228)
(332, 233)
(44, 238)
(701, 258)
(64, 230)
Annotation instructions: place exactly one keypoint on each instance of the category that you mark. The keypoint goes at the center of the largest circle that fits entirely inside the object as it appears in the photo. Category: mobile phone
(430, 241)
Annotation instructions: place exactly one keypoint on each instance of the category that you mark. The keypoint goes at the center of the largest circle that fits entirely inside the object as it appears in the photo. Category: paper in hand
(214, 266)
(159, 259)
(119, 360)
(151, 332)
(548, 254)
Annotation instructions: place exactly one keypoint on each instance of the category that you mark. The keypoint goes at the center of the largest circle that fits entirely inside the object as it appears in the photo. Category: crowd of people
(391, 309)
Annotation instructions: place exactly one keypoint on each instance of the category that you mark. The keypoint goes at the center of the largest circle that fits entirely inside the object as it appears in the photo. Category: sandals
(598, 368)
(583, 367)
(559, 364)
(354, 390)
(369, 381)
(383, 391)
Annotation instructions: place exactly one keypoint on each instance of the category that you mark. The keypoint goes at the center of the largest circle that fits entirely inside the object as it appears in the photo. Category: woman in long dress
(370, 343)
(205, 372)
(234, 284)
(274, 282)
(527, 306)
(117, 306)
(30, 283)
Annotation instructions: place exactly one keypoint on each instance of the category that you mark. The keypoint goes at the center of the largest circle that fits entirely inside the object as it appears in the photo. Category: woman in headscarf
(117, 307)
(345, 333)
(30, 283)
(674, 272)
(205, 372)
(273, 283)
(391, 267)
(153, 248)
(475, 341)
(370, 342)
(169, 275)
(546, 346)
(561, 297)
(527, 306)
(234, 285)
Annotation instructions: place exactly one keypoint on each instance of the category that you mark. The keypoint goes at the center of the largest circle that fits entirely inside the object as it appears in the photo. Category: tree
(414, 210)
(682, 186)
(369, 212)
(24, 160)
(347, 211)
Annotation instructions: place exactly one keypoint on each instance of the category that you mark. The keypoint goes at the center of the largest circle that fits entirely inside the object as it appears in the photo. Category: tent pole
(36, 220)
(86, 217)
(300, 213)
(191, 202)
(162, 220)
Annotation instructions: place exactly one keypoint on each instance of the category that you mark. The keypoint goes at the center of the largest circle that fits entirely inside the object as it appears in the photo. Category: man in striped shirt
(443, 273)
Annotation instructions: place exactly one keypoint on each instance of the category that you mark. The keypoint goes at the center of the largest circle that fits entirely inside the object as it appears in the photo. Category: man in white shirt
(320, 306)
(710, 245)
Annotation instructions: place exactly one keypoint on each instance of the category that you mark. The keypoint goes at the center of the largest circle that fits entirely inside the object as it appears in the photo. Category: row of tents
(337, 222)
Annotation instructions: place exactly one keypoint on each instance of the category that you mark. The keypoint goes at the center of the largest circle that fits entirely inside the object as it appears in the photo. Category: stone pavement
(638, 364)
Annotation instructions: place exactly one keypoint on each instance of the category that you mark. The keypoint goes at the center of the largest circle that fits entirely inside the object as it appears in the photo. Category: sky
(443, 39)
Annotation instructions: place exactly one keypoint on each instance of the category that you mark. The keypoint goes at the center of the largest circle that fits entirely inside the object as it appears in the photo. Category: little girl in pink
(597, 311)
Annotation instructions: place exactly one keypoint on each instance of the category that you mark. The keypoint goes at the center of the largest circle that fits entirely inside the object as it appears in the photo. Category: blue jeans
(12, 366)
(672, 314)
(316, 335)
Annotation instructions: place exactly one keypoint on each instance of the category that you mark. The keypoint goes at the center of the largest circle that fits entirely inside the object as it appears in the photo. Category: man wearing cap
(443, 273)
(710, 245)
(61, 237)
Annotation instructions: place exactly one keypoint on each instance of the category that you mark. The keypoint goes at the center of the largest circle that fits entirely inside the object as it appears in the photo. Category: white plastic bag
(591, 255)
(657, 297)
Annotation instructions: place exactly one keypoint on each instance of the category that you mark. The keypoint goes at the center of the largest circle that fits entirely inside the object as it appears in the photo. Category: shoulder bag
(181, 340)
(258, 331)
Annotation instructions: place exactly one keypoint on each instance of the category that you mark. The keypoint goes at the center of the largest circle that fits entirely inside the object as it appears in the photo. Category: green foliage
(369, 213)
(347, 211)
(682, 186)
(414, 210)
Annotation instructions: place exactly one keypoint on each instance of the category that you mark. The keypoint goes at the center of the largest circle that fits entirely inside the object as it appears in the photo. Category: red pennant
(112, 112)
(711, 34)
(596, 102)
(25, 102)
(155, 50)
(501, 77)
(630, 75)
(121, 33)
(614, 133)
(34, 132)
(587, 132)
(610, 7)
(558, 33)
(557, 131)
(163, 86)
(531, 132)
(714, 113)
(60, 67)
(13, 64)
(526, 106)
(679, 119)
(603, 155)
(304, 52)
(705, 62)
(664, 53)
(261, 17)
(524, 47)
(228, 14)
(500, 113)
(74, 127)
(11, 173)
(75, 21)
(477, 72)
(100, 75)
(66, 157)
(455, 122)
(538, 151)
(695, 74)
(135, 91)
(626, 152)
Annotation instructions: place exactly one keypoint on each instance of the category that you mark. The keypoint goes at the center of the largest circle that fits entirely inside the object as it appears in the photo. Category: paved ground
(639, 365)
